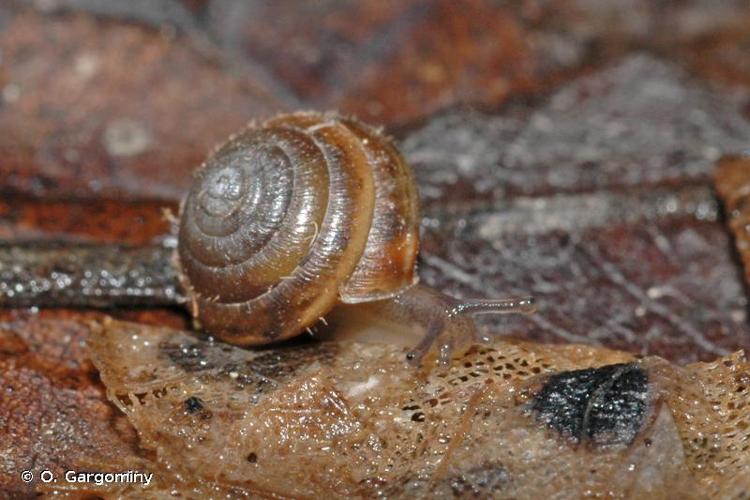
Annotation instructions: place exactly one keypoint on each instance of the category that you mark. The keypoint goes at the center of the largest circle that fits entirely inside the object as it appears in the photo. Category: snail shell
(288, 218)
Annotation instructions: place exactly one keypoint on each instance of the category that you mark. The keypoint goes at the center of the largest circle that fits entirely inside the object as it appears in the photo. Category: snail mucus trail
(291, 217)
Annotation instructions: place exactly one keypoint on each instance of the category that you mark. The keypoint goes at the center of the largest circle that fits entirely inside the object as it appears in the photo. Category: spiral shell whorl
(275, 229)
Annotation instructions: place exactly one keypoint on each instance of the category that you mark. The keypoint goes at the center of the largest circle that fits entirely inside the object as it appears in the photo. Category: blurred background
(562, 148)
(105, 98)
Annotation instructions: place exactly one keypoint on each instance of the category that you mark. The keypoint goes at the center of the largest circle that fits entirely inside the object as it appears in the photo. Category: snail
(305, 211)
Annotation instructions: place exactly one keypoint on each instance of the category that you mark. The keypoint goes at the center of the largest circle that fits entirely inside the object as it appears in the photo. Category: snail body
(293, 216)
(288, 218)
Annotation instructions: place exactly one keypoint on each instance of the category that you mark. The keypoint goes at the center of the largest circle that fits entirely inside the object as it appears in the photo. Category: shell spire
(289, 217)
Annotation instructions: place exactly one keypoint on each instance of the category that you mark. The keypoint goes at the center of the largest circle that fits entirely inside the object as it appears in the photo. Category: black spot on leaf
(602, 406)
(193, 404)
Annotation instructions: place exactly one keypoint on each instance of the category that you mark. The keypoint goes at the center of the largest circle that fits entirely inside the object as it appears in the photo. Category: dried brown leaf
(345, 418)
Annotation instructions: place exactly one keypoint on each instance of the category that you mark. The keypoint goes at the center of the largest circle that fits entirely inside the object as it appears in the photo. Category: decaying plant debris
(584, 179)
(347, 418)
(513, 204)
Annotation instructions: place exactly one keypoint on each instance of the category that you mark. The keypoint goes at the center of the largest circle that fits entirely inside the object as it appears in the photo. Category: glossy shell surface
(288, 218)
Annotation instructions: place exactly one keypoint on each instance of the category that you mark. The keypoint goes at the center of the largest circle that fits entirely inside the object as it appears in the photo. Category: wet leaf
(621, 242)
(53, 408)
(353, 419)
(585, 180)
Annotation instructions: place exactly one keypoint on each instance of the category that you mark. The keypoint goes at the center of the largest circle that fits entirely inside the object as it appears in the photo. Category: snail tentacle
(304, 211)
